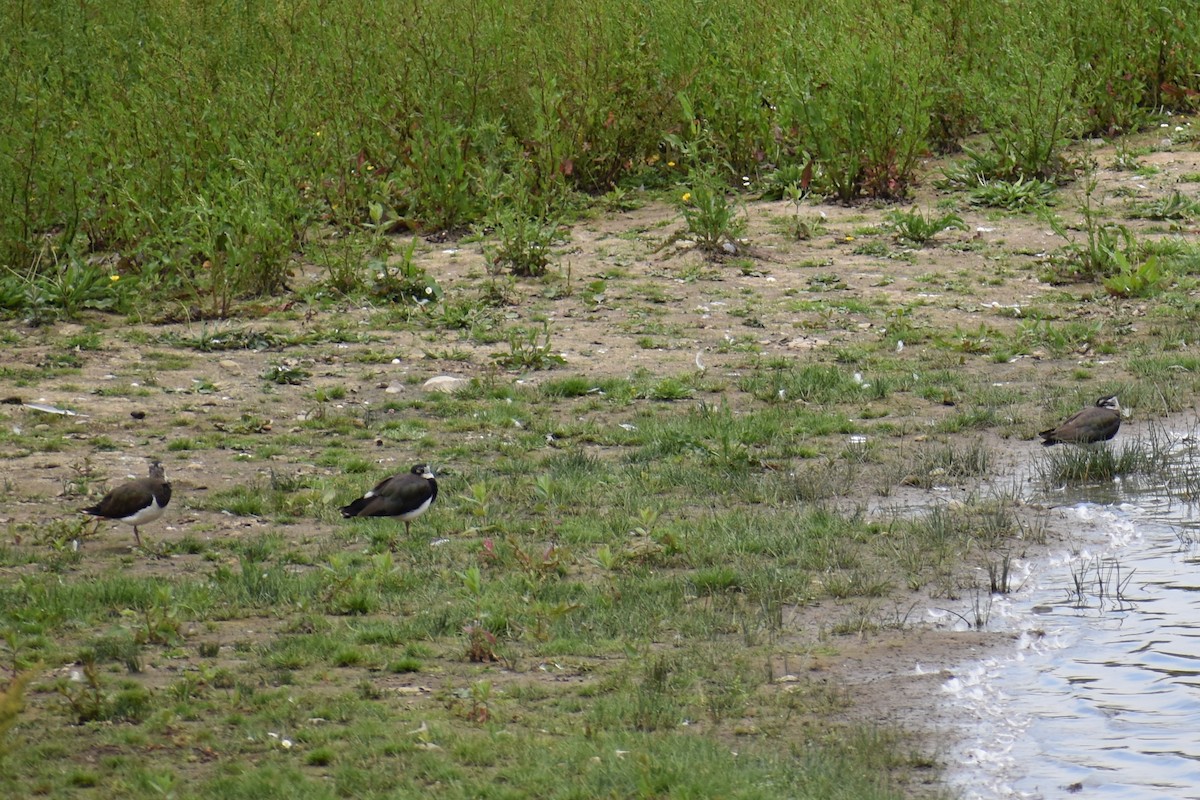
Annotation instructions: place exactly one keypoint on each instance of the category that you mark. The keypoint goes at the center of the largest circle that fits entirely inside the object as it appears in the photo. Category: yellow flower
(670, 163)
(687, 197)
(114, 277)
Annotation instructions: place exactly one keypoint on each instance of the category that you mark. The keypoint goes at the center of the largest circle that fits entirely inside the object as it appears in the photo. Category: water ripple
(1100, 696)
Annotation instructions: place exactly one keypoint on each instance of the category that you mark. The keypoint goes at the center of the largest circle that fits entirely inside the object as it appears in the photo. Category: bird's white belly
(147, 514)
(409, 516)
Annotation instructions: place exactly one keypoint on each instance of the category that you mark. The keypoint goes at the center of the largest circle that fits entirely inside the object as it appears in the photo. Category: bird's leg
(407, 529)
(136, 537)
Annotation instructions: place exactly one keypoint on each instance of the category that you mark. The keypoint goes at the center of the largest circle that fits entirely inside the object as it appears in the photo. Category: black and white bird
(407, 496)
(136, 502)
(1097, 423)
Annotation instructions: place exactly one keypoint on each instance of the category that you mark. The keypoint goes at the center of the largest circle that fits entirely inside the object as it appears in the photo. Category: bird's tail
(355, 507)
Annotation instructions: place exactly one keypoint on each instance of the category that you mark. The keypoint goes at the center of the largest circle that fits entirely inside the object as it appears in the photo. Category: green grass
(303, 654)
(265, 122)
(1140, 458)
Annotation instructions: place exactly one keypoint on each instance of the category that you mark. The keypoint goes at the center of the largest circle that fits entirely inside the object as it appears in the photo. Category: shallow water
(1100, 694)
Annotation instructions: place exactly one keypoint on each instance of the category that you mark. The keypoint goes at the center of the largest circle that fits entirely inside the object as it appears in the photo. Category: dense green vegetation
(205, 141)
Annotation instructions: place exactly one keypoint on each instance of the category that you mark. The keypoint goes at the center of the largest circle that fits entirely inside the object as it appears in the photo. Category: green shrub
(863, 103)
(913, 226)
(205, 143)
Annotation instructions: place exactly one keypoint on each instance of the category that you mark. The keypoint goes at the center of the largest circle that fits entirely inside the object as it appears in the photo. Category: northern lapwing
(137, 502)
(1097, 423)
(407, 496)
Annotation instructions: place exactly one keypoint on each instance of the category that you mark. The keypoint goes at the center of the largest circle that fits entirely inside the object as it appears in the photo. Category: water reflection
(1100, 697)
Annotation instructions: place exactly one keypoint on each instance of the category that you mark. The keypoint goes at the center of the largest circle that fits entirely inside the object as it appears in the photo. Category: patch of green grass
(557, 556)
(669, 389)
(840, 305)
(165, 361)
(785, 381)
(1175, 206)
(529, 349)
(29, 376)
(917, 228)
(615, 389)
(1016, 195)
(89, 340)
(286, 373)
(949, 464)
(1157, 368)
(1147, 456)
(1059, 338)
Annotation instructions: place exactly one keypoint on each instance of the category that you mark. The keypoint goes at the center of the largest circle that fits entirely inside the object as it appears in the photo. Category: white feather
(409, 516)
(144, 515)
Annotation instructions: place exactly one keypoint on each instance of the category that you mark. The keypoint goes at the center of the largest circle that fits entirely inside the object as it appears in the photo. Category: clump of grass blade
(1143, 456)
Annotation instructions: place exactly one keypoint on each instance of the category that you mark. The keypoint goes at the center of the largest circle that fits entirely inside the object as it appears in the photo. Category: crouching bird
(407, 496)
(136, 502)
(1097, 423)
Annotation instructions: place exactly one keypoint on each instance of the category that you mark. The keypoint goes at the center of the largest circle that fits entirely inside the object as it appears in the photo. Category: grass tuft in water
(1148, 455)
